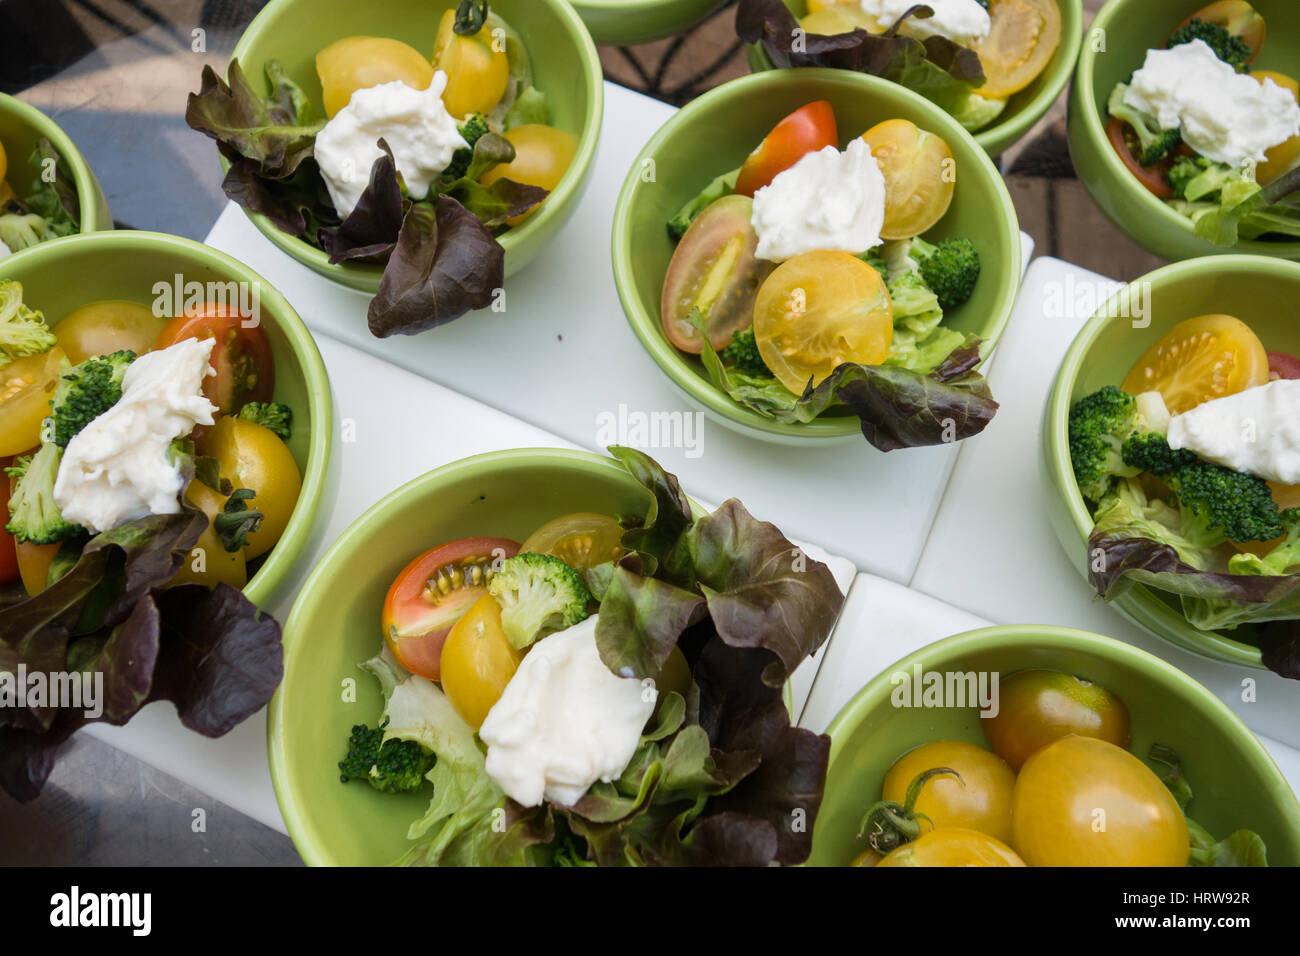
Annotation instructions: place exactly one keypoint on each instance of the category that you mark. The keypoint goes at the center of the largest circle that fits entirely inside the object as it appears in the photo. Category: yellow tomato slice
(478, 661)
(818, 311)
(1021, 41)
(1282, 156)
(1201, 359)
(920, 176)
(27, 386)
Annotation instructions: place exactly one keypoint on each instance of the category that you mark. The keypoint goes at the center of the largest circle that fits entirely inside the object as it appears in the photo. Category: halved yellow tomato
(476, 65)
(920, 176)
(836, 18)
(27, 386)
(1200, 359)
(359, 62)
(213, 564)
(1022, 39)
(581, 540)
(1281, 157)
(253, 456)
(978, 798)
(953, 846)
(478, 661)
(100, 328)
(818, 311)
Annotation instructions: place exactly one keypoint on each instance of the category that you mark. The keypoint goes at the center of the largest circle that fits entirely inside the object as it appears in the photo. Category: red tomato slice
(1152, 177)
(432, 593)
(1281, 365)
(8, 546)
(808, 128)
(242, 356)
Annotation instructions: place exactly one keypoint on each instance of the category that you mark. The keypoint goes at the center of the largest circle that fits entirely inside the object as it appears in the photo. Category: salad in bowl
(579, 668)
(419, 167)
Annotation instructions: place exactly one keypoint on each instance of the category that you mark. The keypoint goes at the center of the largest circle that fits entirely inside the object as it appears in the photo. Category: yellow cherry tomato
(27, 386)
(581, 540)
(1198, 360)
(867, 857)
(4, 162)
(208, 562)
(920, 176)
(819, 310)
(360, 62)
(816, 5)
(476, 65)
(838, 18)
(252, 456)
(104, 327)
(34, 562)
(1282, 156)
(1037, 707)
(980, 800)
(478, 661)
(1023, 36)
(542, 157)
(953, 847)
(1085, 802)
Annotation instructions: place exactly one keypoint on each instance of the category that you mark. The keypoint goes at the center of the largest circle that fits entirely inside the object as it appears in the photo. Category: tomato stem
(888, 825)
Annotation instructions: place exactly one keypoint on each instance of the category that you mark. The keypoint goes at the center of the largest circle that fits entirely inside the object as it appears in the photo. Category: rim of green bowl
(1006, 132)
(568, 190)
(1134, 193)
(1141, 604)
(88, 190)
(280, 560)
(877, 690)
(676, 365)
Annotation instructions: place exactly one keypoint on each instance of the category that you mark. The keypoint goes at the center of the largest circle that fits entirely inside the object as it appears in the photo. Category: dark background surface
(114, 74)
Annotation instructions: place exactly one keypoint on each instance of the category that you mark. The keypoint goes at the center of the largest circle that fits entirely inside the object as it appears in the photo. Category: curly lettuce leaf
(54, 198)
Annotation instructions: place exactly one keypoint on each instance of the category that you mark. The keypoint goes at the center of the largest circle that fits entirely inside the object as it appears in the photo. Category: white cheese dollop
(422, 135)
(963, 21)
(1256, 431)
(118, 468)
(564, 721)
(827, 200)
(1226, 116)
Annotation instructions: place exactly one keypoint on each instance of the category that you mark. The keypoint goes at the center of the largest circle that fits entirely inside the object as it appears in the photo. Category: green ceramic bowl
(714, 134)
(624, 22)
(335, 625)
(21, 128)
(1249, 287)
(1026, 107)
(1130, 28)
(1234, 781)
(58, 277)
(565, 67)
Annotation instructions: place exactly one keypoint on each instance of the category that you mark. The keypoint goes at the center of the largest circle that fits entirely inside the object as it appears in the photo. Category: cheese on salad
(827, 200)
(415, 124)
(564, 721)
(963, 21)
(1256, 431)
(120, 466)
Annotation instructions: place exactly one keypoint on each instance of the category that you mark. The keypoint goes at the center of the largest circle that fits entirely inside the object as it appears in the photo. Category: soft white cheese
(564, 721)
(963, 21)
(1256, 431)
(117, 468)
(1226, 116)
(422, 135)
(827, 200)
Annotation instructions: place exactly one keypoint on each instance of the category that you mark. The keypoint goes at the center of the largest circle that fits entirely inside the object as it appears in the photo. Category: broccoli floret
(1198, 179)
(1183, 171)
(273, 415)
(950, 269)
(539, 594)
(876, 259)
(1217, 504)
(474, 128)
(85, 392)
(1228, 47)
(743, 355)
(1153, 143)
(1098, 425)
(1283, 559)
(1127, 511)
(34, 517)
(390, 766)
(22, 330)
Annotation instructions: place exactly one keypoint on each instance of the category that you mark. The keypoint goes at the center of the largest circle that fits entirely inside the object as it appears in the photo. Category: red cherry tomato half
(242, 356)
(1152, 177)
(8, 546)
(1281, 365)
(432, 593)
(808, 128)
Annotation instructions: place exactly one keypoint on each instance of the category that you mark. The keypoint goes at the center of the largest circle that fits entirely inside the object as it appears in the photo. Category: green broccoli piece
(1217, 504)
(34, 517)
(1153, 143)
(876, 259)
(474, 128)
(1184, 170)
(273, 415)
(390, 766)
(1228, 47)
(1126, 511)
(950, 269)
(87, 391)
(1198, 179)
(1283, 559)
(22, 331)
(539, 594)
(1098, 426)
(743, 355)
